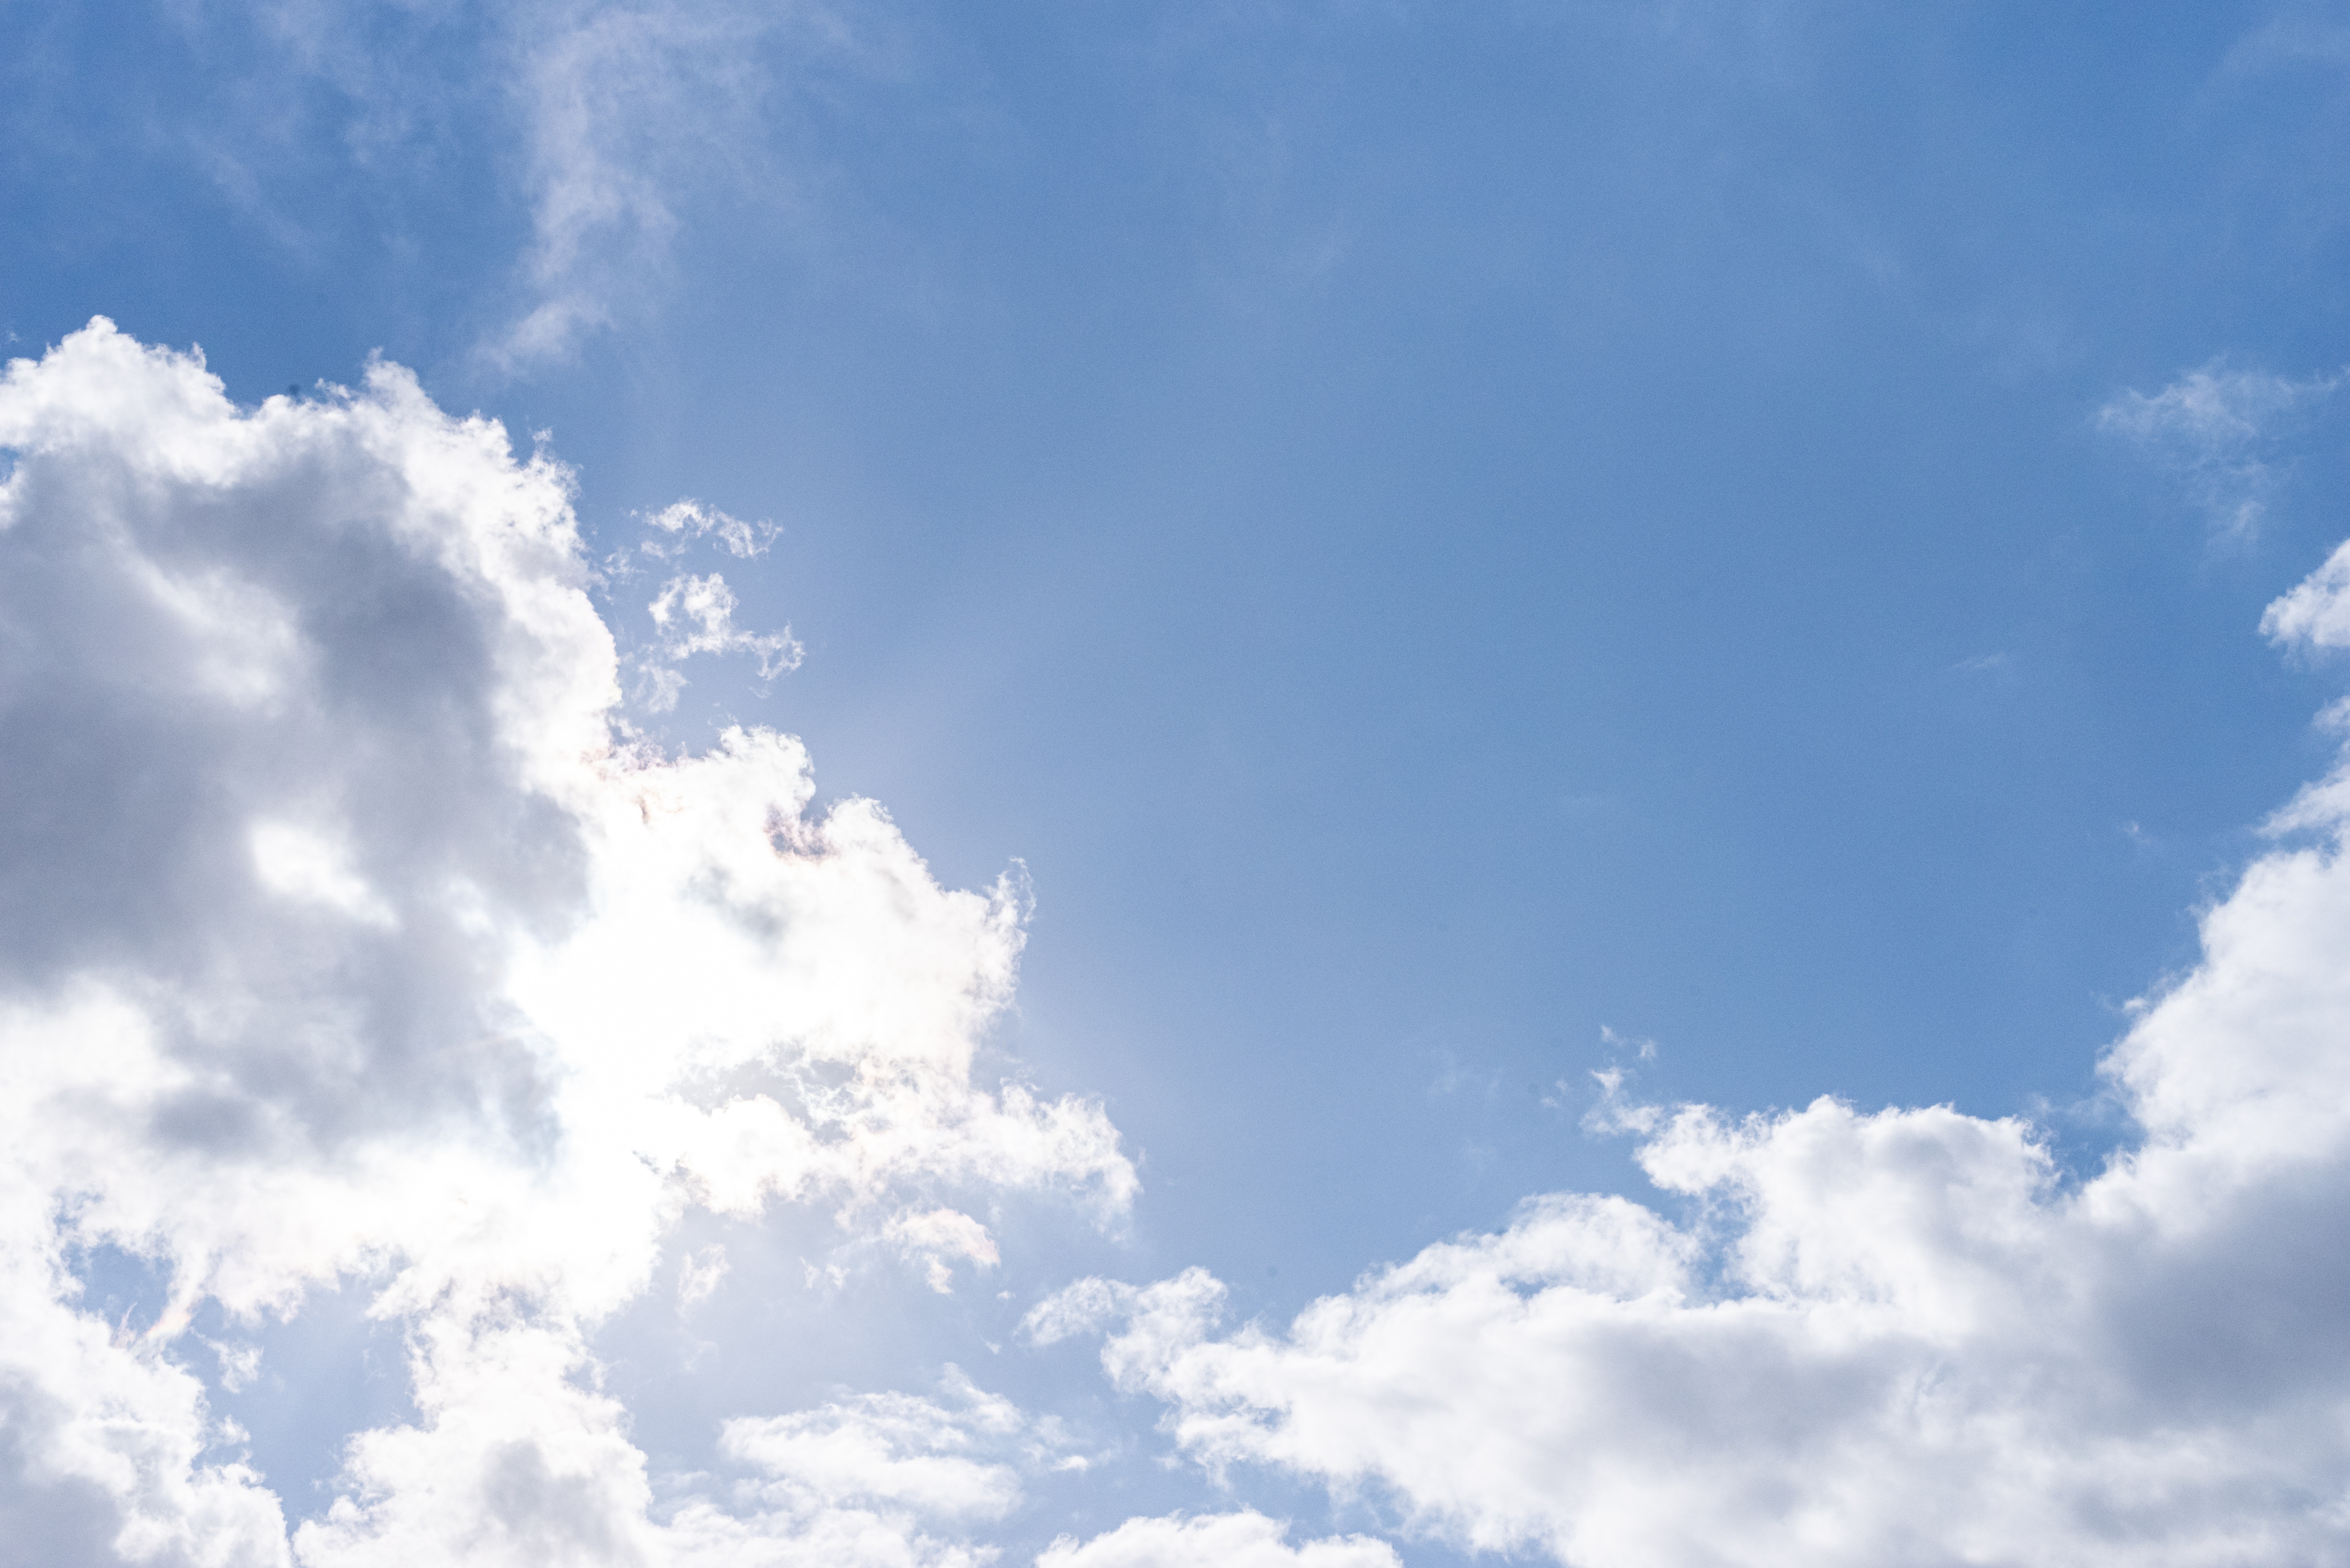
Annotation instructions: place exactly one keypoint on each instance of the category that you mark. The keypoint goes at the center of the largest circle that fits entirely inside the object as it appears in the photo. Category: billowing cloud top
(344, 936)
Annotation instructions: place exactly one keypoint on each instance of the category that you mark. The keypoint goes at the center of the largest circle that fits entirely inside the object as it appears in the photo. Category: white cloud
(341, 941)
(890, 1449)
(937, 1237)
(1243, 1540)
(626, 107)
(601, 88)
(1899, 1336)
(2316, 613)
(240, 1364)
(696, 615)
(689, 519)
(1615, 1111)
(297, 862)
(885, 1479)
(2214, 427)
(698, 1276)
(1640, 1046)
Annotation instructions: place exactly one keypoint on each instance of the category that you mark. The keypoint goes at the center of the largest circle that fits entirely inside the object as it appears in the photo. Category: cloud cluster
(1899, 1336)
(694, 614)
(343, 940)
(346, 939)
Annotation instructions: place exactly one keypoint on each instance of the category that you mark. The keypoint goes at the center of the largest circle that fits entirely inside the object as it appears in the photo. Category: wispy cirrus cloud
(2219, 430)
(553, 152)
(622, 107)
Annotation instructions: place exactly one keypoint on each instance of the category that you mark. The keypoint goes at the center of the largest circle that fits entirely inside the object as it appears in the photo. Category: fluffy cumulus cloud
(346, 938)
(1866, 1337)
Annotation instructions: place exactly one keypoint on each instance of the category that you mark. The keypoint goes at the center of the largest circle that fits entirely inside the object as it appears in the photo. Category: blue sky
(1459, 547)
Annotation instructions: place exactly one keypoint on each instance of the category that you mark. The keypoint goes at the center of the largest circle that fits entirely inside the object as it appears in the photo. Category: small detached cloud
(693, 615)
(882, 1450)
(2217, 428)
(2001, 663)
(1639, 1045)
(698, 1276)
(889, 1480)
(940, 1237)
(1614, 1112)
(684, 521)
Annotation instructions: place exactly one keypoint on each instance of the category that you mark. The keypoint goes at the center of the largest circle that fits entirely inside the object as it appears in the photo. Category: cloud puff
(694, 614)
(1899, 1336)
(2214, 427)
(887, 1479)
(885, 1447)
(342, 941)
(941, 1235)
(689, 519)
